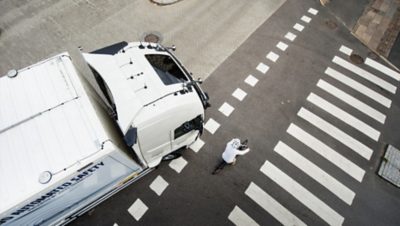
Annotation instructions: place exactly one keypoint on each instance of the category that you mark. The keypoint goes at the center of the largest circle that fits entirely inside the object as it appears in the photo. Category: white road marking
(196, 146)
(138, 209)
(350, 100)
(306, 19)
(302, 194)
(346, 50)
(333, 185)
(226, 109)
(328, 153)
(382, 68)
(282, 46)
(115, 224)
(263, 68)
(298, 27)
(240, 218)
(272, 56)
(290, 36)
(273, 207)
(336, 133)
(344, 116)
(159, 185)
(251, 80)
(178, 164)
(239, 94)
(313, 11)
(365, 74)
(211, 126)
(359, 87)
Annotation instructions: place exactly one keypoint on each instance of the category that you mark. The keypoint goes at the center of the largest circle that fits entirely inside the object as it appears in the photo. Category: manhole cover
(331, 24)
(356, 59)
(152, 38)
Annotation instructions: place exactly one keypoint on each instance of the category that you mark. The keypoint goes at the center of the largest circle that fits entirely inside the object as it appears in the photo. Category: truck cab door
(186, 133)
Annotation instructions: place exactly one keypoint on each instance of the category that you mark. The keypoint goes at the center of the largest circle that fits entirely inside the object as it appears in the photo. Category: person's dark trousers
(220, 166)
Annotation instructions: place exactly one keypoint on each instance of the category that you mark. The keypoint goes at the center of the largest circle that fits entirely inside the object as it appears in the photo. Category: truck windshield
(166, 68)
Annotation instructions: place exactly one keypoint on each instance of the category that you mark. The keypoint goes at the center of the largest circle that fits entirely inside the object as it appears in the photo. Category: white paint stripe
(178, 164)
(240, 218)
(196, 146)
(226, 109)
(302, 194)
(336, 133)
(273, 207)
(159, 185)
(251, 80)
(138, 209)
(272, 56)
(359, 87)
(306, 19)
(298, 27)
(344, 116)
(315, 172)
(239, 94)
(346, 50)
(313, 11)
(282, 46)
(357, 104)
(263, 68)
(290, 36)
(382, 68)
(328, 153)
(211, 126)
(365, 74)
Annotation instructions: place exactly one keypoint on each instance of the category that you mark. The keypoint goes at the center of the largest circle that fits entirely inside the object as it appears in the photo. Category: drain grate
(331, 24)
(356, 59)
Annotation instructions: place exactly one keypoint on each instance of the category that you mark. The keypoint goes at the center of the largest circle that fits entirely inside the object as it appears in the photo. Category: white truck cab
(70, 140)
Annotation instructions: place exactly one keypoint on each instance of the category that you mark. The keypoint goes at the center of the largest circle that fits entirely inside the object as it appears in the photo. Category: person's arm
(242, 152)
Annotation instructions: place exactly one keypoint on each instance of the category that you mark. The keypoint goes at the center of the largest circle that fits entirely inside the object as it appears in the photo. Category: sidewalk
(379, 25)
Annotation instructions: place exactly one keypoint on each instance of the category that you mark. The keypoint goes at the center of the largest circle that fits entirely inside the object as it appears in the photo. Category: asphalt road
(322, 178)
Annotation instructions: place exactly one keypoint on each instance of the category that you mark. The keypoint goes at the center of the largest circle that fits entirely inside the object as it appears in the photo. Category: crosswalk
(354, 91)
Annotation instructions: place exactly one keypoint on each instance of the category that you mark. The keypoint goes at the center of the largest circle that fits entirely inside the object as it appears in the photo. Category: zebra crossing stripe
(344, 116)
(302, 194)
(273, 207)
(350, 100)
(359, 87)
(336, 133)
(315, 172)
(325, 151)
(240, 218)
(365, 74)
(382, 68)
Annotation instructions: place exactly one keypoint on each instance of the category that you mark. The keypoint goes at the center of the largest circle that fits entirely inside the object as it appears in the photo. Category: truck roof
(48, 128)
(132, 79)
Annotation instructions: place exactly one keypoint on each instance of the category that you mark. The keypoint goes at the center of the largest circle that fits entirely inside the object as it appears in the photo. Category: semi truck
(76, 130)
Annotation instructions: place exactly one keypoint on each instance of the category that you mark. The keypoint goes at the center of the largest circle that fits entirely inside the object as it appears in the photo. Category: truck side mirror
(131, 136)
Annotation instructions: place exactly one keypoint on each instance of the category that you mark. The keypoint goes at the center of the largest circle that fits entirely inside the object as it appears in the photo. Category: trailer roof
(47, 123)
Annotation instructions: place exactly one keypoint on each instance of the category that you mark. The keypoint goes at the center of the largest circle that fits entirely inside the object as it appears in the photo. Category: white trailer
(67, 142)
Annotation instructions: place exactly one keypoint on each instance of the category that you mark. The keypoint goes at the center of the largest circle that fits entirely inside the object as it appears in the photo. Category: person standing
(232, 149)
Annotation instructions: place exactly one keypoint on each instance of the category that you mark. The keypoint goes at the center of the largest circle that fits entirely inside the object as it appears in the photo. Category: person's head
(235, 143)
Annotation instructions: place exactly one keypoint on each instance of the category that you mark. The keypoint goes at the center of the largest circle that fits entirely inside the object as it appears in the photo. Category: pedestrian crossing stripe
(316, 173)
(302, 194)
(325, 151)
(336, 133)
(344, 116)
(365, 74)
(359, 87)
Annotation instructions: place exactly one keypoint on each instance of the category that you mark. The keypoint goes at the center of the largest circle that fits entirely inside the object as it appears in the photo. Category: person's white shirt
(231, 151)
